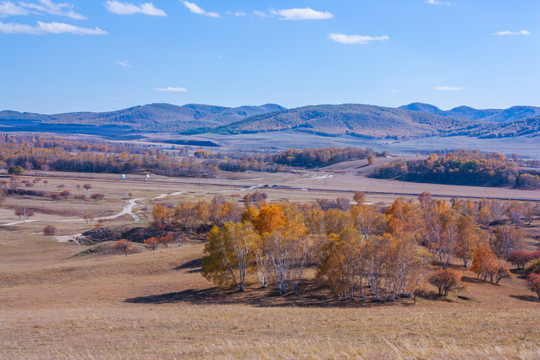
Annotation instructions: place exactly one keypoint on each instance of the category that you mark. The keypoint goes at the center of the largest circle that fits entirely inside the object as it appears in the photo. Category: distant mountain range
(368, 121)
(152, 117)
(469, 113)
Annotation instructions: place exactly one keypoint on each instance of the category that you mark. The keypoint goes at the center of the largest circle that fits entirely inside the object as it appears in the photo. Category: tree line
(358, 251)
(19, 153)
(461, 167)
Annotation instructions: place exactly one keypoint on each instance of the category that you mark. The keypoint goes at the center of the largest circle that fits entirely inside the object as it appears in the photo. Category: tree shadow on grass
(194, 266)
(471, 280)
(312, 295)
(530, 298)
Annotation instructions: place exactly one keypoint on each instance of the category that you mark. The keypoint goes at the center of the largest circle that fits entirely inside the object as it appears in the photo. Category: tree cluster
(461, 167)
(358, 251)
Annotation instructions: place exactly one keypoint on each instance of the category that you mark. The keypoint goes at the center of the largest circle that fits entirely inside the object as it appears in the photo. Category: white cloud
(57, 9)
(124, 8)
(302, 14)
(194, 8)
(7, 8)
(356, 39)
(435, 2)
(236, 13)
(48, 28)
(171, 89)
(513, 33)
(448, 88)
(261, 14)
(124, 63)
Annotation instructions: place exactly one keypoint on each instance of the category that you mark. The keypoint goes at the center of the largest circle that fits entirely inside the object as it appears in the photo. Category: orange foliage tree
(124, 245)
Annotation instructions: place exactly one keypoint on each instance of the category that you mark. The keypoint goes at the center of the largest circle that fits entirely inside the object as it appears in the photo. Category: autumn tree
(469, 237)
(403, 272)
(483, 261)
(283, 247)
(269, 218)
(486, 264)
(371, 159)
(162, 215)
(20, 212)
(498, 273)
(288, 249)
(166, 239)
(520, 258)
(446, 280)
(533, 282)
(506, 239)
(529, 211)
(359, 197)
(403, 217)
(439, 231)
(124, 245)
(514, 212)
(368, 220)
(257, 198)
(228, 254)
(87, 186)
(152, 243)
(341, 264)
(485, 215)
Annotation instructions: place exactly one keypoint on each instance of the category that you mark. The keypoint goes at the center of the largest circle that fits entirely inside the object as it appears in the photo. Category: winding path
(127, 210)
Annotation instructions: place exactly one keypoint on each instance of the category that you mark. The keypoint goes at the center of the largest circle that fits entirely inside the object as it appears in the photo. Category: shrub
(49, 230)
(520, 258)
(16, 170)
(446, 280)
(97, 196)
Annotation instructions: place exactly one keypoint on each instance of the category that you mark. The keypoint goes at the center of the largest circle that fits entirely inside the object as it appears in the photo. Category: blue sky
(67, 55)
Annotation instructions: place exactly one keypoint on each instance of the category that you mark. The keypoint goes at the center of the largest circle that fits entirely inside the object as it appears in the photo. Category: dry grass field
(58, 304)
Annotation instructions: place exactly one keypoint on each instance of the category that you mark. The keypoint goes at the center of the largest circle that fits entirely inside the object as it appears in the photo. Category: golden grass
(238, 332)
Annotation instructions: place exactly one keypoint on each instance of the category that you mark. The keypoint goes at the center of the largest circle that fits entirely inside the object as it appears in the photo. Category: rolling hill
(415, 120)
(349, 119)
(469, 113)
(152, 117)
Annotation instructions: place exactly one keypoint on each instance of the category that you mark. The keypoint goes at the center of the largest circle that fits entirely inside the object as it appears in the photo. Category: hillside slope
(160, 117)
(469, 113)
(349, 119)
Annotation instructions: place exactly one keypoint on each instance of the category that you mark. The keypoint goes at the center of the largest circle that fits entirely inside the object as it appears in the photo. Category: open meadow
(60, 302)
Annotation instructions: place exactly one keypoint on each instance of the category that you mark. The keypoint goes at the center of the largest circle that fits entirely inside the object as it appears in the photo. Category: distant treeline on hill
(461, 167)
(60, 154)
(312, 158)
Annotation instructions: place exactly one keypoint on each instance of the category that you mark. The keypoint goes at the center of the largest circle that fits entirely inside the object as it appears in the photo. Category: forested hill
(153, 117)
(351, 119)
(469, 113)
(368, 121)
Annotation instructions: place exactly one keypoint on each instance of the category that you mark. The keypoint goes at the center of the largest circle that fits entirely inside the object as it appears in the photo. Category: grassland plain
(55, 304)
